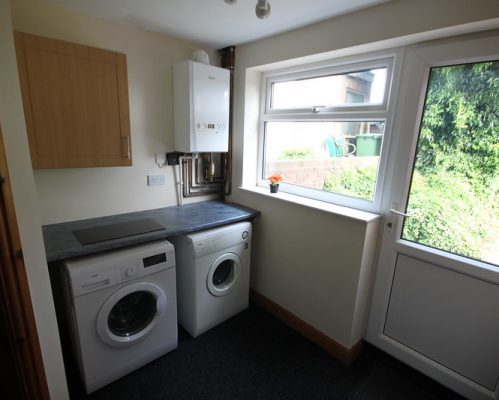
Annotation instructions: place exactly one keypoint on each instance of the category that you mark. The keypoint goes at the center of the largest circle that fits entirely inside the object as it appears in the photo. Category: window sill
(345, 212)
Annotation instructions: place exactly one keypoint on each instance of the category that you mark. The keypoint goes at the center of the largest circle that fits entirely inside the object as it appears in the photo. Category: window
(324, 131)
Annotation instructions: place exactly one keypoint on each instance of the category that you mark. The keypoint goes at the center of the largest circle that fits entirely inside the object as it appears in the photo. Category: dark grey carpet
(254, 356)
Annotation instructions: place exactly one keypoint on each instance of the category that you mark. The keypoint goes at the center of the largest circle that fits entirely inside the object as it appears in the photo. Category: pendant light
(262, 8)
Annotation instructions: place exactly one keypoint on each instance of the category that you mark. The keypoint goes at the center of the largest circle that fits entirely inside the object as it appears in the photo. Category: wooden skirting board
(345, 355)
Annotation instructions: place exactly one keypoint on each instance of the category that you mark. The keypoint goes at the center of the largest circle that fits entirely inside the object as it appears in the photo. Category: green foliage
(455, 182)
(449, 214)
(460, 130)
(356, 182)
(296, 154)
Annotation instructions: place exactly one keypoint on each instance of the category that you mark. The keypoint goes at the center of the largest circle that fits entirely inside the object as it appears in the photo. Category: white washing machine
(213, 271)
(122, 310)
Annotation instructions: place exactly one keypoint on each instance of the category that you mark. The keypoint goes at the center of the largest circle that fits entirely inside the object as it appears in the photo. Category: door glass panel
(132, 313)
(454, 191)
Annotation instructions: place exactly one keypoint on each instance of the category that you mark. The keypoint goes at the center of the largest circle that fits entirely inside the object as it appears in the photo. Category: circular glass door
(130, 313)
(223, 274)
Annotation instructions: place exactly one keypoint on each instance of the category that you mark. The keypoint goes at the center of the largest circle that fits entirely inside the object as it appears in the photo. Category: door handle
(409, 214)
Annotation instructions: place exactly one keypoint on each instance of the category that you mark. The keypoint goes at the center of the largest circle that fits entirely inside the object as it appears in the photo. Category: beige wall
(306, 260)
(25, 199)
(70, 194)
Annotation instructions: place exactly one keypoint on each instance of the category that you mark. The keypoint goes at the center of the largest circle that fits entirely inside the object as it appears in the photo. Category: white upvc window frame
(341, 113)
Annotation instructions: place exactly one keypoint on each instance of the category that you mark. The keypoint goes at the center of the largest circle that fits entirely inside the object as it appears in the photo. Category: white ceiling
(214, 22)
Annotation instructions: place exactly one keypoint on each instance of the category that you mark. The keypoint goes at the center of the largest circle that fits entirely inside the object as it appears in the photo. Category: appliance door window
(130, 313)
(223, 274)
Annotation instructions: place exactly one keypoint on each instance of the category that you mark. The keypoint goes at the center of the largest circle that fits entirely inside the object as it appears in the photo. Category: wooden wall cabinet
(75, 101)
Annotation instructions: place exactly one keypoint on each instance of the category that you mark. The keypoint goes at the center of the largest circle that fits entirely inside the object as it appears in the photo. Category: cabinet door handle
(125, 146)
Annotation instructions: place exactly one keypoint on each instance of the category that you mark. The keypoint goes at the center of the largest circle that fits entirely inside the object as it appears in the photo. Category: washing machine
(213, 271)
(122, 310)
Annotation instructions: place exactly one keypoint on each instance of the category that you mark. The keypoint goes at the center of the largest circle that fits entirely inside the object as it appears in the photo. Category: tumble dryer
(122, 310)
(213, 271)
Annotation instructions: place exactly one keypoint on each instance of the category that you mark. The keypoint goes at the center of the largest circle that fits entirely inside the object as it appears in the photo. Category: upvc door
(436, 294)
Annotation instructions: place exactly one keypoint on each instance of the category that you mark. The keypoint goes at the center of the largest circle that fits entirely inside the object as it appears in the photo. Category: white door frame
(412, 90)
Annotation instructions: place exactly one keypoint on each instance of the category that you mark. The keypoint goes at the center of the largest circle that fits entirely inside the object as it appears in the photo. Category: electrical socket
(155, 180)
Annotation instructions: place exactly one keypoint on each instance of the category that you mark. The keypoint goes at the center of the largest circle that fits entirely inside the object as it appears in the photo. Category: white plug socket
(155, 180)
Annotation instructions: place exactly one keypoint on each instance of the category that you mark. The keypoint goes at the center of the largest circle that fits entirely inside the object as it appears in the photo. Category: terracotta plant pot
(274, 188)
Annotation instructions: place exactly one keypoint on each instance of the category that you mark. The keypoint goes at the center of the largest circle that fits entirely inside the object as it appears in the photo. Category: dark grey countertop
(61, 243)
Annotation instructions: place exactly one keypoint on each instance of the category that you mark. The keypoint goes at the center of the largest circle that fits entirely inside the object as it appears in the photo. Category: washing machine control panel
(95, 272)
(204, 243)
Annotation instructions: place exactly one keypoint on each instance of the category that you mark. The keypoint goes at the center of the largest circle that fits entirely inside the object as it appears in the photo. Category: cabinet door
(75, 101)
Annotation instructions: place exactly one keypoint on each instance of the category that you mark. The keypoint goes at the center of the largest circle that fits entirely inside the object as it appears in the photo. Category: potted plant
(274, 182)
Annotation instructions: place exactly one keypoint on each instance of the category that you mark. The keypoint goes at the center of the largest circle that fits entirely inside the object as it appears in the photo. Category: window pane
(337, 157)
(361, 87)
(455, 183)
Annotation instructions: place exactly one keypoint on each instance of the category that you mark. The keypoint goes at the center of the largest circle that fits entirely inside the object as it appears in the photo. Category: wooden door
(11, 384)
(75, 102)
(23, 374)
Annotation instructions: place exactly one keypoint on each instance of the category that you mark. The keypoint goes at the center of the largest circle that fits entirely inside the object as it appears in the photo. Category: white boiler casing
(201, 107)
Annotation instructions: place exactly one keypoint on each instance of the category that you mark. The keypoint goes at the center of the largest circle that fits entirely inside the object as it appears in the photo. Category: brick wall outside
(309, 173)
(312, 172)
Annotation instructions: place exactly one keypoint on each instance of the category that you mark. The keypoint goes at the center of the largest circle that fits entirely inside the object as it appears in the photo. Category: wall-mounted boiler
(201, 107)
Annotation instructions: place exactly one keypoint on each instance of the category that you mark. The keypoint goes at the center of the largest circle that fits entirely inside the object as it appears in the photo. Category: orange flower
(275, 179)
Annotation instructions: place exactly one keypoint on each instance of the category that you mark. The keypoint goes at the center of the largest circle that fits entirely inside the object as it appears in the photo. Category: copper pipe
(229, 61)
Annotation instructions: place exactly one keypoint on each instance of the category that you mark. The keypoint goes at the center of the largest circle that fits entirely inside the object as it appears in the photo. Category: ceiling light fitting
(262, 9)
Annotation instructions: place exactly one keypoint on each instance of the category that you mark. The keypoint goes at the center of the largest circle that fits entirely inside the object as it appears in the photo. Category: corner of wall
(365, 282)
